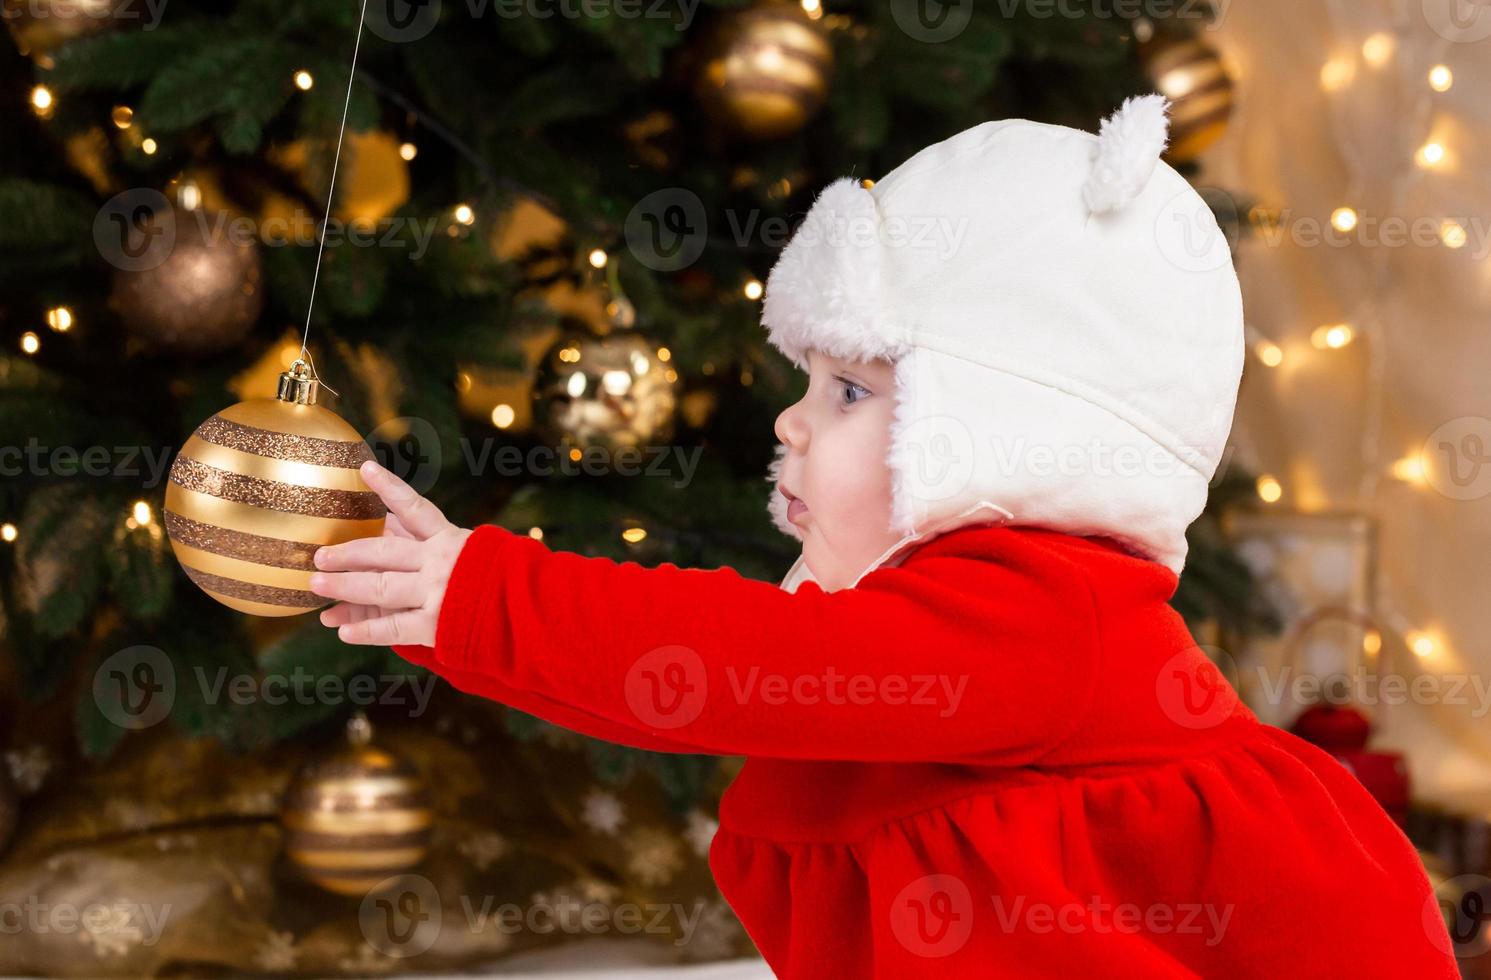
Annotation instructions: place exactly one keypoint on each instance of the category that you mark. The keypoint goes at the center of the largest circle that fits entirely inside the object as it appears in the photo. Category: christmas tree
(520, 189)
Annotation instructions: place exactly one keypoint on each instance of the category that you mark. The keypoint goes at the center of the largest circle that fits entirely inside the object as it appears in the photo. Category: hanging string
(330, 195)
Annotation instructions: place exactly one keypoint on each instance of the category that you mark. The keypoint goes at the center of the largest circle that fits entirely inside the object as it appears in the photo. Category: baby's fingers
(393, 554)
(348, 612)
(416, 514)
(386, 590)
(400, 628)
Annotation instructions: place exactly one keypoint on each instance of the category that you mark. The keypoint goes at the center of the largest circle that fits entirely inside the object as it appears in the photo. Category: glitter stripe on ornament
(242, 571)
(267, 594)
(265, 468)
(190, 474)
(284, 445)
(240, 544)
(233, 516)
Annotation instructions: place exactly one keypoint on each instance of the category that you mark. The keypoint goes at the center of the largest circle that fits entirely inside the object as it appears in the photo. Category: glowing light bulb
(8, 532)
(1430, 155)
(1421, 643)
(1336, 74)
(464, 214)
(1332, 336)
(1270, 353)
(1343, 219)
(1409, 469)
(408, 151)
(1452, 233)
(59, 318)
(598, 258)
(30, 342)
(304, 80)
(1441, 78)
(1378, 49)
(503, 415)
(753, 289)
(42, 101)
(1269, 489)
(634, 535)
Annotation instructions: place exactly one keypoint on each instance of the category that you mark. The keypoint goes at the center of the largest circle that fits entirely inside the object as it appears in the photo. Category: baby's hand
(392, 586)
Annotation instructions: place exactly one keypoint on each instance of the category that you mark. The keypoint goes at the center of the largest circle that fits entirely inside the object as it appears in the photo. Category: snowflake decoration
(484, 848)
(110, 929)
(716, 933)
(28, 767)
(603, 812)
(596, 890)
(700, 831)
(654, 856)
(365, 958)
(565, 908)
(277, 952)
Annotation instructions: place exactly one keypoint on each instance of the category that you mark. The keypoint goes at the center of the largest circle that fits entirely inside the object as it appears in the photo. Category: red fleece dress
(1004, 757)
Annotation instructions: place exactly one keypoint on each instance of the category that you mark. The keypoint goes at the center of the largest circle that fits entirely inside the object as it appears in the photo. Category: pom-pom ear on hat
(1129, 145)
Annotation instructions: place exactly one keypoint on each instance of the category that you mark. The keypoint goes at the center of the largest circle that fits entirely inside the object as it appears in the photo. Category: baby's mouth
(795, 507)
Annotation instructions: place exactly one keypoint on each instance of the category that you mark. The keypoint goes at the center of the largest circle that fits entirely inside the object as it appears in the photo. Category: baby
(979, 740)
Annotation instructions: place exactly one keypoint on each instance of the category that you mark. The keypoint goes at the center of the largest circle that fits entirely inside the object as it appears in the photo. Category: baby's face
(837, 438)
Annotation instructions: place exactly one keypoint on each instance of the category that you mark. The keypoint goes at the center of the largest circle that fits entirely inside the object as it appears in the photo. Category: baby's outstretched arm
(947, 657)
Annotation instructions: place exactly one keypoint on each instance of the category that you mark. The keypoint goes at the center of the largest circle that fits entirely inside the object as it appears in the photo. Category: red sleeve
(950, 656)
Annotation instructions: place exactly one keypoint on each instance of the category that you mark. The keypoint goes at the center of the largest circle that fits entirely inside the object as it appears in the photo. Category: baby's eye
(849, 390)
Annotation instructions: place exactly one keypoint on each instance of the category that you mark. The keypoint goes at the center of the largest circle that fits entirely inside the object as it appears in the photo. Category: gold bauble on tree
(1191, 74)
(200, 292)
(41, 26)
(764, 71)
(358, 817)
(607, 386)
(258, 488)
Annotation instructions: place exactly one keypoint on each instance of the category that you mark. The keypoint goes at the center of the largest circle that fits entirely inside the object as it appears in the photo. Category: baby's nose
(789, 428)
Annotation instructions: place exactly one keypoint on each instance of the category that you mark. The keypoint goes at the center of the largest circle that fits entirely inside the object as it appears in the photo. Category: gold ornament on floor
(358, 817)
(764, 71)
(40, 26)
(1190, 73)
(606, 386)
(258, 488)
(203, 296)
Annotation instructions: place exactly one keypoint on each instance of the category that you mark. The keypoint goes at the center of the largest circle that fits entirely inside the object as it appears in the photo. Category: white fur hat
(1064, 318)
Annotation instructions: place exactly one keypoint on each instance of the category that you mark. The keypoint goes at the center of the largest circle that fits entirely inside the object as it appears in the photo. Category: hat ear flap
(1129, 145)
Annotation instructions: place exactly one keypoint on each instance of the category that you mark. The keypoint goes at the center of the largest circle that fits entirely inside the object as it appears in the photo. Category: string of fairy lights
(461, 217)
(1376, 52)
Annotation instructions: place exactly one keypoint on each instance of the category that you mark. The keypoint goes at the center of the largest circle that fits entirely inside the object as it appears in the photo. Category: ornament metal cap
(297, 385)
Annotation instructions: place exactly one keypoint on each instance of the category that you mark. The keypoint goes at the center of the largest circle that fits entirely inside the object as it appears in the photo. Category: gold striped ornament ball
(258, 488)
(765, 70)
(357, 818)
(1191, 74)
